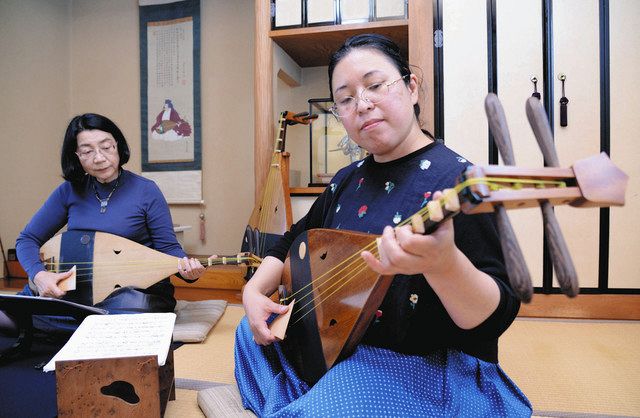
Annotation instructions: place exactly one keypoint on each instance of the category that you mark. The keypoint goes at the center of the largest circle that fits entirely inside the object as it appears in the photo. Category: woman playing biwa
(432, 348)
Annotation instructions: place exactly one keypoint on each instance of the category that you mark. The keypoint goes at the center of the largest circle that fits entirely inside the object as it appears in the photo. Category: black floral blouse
(366, 196)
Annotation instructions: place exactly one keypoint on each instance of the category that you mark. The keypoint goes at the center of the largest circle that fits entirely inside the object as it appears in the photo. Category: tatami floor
(568, 368)
(575, 367)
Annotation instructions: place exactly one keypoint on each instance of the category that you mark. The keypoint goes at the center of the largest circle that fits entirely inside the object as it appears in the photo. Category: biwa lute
(104, 262)
(272, 215)
(334, 295)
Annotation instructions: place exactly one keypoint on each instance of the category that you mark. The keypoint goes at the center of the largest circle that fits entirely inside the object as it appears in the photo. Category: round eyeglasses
(88, 153)
(373, 94)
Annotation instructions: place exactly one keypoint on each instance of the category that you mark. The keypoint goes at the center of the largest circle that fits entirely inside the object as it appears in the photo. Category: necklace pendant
(103, 206)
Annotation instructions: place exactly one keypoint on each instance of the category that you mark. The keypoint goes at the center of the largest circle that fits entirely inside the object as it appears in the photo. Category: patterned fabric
(376, 382)
(370, 195)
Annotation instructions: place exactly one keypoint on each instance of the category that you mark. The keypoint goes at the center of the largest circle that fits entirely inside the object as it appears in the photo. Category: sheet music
(111, 336)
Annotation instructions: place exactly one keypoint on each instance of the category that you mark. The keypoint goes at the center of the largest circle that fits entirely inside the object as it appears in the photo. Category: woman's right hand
(258, 309)
(47, 283)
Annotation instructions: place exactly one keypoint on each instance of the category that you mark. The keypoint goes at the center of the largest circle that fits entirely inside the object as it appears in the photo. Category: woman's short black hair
(72, 170)
(377, 42)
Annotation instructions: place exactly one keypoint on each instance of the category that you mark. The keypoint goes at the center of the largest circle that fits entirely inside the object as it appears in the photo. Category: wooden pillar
(263, 95)
(421, 55)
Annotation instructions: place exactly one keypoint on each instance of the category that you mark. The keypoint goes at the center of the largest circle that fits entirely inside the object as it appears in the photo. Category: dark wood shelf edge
(349, 27)
(586, 306)
(312, 46)
(306, 191)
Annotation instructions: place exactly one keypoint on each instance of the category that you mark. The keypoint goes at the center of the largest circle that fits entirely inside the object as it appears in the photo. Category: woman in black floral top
(433, 348)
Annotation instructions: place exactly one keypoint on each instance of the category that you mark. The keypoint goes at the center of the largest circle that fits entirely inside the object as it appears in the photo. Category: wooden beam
(421, 56)
(583, 307)
(287, 78)
(263, 95)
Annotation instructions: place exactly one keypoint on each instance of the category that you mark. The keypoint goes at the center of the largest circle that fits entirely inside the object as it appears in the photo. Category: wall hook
(563, 102)
(535, 94)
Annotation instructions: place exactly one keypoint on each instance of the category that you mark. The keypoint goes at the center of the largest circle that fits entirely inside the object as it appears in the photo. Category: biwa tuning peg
(517, 270)
(562, 262)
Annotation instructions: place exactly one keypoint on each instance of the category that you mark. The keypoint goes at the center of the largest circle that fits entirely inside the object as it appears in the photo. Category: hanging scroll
(170, 97)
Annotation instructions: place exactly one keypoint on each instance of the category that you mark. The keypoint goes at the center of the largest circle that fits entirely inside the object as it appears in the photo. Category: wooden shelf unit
(313, 46)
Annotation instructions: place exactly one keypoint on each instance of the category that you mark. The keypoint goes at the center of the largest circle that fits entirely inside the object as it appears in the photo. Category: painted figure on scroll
(100, 195)
(432, 348)
(169, 125)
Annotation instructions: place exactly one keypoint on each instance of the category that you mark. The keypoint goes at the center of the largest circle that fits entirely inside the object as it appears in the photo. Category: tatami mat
(199, 366)
(569, 367)
(184, 406)
(211, 360)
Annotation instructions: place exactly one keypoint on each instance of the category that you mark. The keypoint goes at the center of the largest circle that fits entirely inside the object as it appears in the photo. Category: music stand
(22, 308)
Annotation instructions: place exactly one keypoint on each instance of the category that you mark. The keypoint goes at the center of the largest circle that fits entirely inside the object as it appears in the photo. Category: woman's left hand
(401, 251)
(190, 268)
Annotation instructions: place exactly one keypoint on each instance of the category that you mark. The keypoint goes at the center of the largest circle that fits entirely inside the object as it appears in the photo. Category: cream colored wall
(577, 55)
(465, 81)
(625, 125)
(68, 57)
(519, 42)
(105, 66)
(34, 108)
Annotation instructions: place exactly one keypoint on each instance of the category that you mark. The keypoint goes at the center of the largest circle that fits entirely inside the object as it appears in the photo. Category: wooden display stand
(16, 270)
(221, 282)
(116, 387)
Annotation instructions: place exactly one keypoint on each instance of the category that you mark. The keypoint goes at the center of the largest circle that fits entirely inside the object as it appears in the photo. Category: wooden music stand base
(117, 387)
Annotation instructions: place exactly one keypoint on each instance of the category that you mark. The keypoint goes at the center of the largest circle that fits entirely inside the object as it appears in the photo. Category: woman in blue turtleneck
(100, 195)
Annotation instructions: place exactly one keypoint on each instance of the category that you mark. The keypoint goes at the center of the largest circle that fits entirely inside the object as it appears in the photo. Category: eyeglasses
(105, 149)
(373, 94)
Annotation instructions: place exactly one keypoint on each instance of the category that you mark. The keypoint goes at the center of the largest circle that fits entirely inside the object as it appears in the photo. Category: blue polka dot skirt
(375, 382)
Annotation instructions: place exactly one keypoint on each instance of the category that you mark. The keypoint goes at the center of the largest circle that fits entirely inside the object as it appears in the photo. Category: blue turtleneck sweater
(136, 210)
